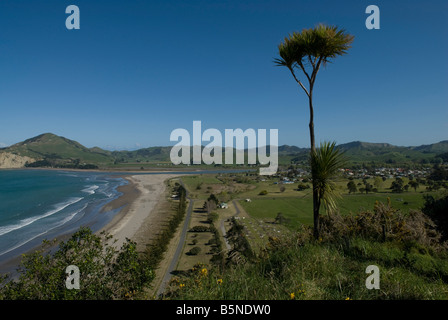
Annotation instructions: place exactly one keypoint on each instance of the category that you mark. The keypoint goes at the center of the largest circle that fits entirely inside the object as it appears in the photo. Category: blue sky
(136, 70)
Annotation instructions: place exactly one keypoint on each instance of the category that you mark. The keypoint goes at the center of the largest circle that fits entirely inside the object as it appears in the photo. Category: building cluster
(388, 173)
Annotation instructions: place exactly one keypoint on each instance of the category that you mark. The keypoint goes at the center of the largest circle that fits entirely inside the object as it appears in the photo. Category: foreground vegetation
(106, 272)
(407, 249)
(274, 254)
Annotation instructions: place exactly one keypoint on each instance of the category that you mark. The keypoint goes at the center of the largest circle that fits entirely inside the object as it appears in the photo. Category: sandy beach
(143, 208)
(139, 217)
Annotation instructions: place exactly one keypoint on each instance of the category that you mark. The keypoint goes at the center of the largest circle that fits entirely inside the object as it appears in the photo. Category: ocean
(37, 205)
(44, 204)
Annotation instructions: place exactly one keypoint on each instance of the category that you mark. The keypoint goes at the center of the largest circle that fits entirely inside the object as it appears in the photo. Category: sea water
(44, 204)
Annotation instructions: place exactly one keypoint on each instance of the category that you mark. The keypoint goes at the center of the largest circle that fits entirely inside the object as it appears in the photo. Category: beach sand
(139, 217)
(143, 210)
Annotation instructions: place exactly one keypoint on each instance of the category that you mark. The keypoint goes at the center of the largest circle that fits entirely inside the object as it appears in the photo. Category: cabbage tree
(306, 52)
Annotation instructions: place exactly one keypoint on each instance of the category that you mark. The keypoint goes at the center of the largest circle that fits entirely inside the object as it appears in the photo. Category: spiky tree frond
(327, 42)
(325, 164)
(314, 45)
(290, 52)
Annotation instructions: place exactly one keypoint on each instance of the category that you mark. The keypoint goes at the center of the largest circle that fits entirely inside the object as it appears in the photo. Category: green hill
(440, 147)
(359, 152)
(152, 154)
(51, 150)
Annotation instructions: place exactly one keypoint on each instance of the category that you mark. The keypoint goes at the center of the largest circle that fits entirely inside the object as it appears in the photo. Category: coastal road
(180, 245)
(183, 235)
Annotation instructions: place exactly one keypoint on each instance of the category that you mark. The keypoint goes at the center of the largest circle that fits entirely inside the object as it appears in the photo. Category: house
(223, 205)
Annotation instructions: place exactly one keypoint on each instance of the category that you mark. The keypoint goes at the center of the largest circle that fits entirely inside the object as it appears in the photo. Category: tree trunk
(316, 204)
(316, 213)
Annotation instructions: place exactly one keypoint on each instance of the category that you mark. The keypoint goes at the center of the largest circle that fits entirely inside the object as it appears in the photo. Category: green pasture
(298, 210)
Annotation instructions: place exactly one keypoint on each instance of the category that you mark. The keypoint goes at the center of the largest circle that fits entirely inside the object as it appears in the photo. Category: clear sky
(136, 70)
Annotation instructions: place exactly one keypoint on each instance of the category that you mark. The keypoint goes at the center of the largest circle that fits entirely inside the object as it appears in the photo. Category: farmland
(288, 263)
(261, 200)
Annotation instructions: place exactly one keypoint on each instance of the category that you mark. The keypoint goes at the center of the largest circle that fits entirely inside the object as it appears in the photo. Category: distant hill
(290, 150)
(51, 150)
(363, 145)
(440, 147)
(152, 154)
(358, 151)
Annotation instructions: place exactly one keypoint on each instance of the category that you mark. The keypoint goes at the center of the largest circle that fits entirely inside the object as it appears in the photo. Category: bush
(200, 229)
(194, 251)
(106, 272)
(263, 193)
(383, 224)
(212, 241)
(303, 186)
(436, 209)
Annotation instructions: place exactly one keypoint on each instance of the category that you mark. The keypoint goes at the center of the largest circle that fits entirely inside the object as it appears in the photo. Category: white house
(223, 205)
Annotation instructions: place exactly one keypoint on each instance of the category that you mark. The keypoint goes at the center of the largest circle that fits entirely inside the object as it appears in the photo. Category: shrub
(212, 241)
(194, 251)
(106, 272)
(436, 209)
(303, 186)
(381, 224)
(200, 229)
(263, 193)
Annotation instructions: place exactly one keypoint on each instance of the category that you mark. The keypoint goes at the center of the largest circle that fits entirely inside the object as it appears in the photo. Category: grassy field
(258, 215)
(299, 209)
(291, 265)
(296, 206)
(192, 182)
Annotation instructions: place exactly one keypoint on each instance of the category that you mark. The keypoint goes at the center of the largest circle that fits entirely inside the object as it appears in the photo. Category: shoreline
(136, 216)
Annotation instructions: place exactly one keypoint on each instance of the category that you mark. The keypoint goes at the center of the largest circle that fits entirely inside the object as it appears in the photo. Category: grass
(201, 186)
(196, 239)
(298, 209)
(291, 265)
(361, 202)
(322, 271)
(191, 182)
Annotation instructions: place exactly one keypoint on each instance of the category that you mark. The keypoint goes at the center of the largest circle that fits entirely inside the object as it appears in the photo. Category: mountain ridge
(54, 150)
